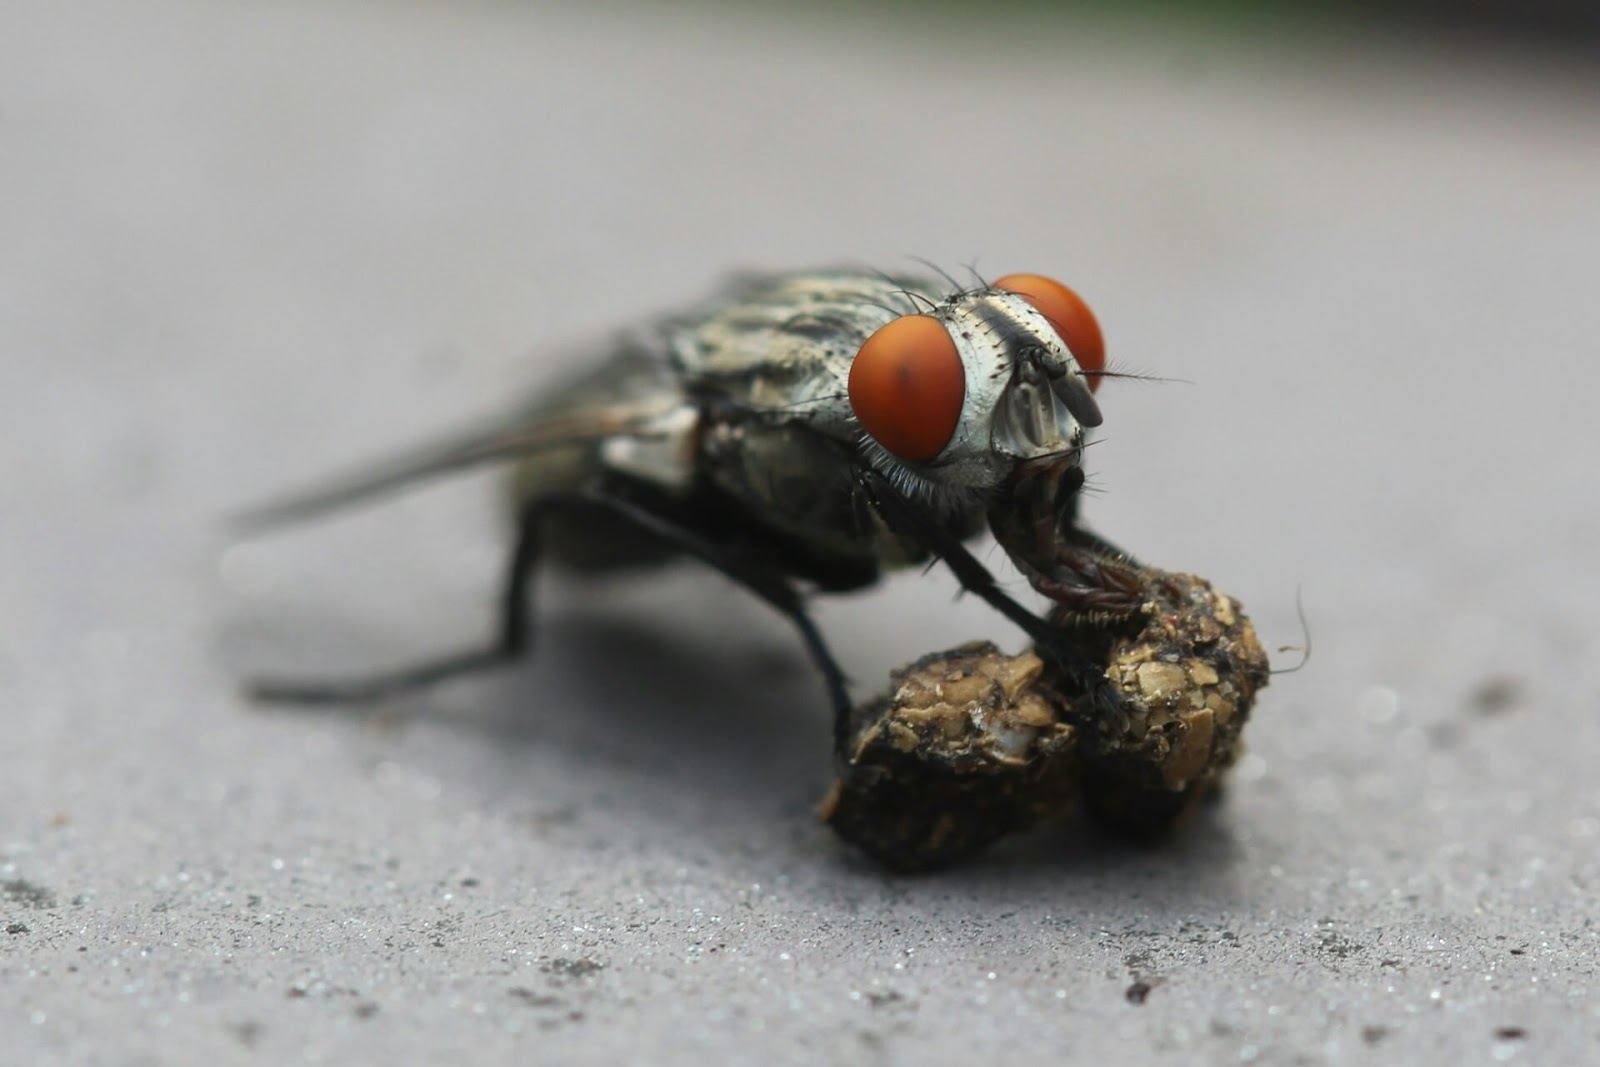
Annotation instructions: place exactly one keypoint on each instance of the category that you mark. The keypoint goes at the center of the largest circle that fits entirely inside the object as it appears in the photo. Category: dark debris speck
(1510, 1033)
(1138, 992)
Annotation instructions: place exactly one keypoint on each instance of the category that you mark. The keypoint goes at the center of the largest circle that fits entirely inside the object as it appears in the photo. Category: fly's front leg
(515, 628)
(1089, 587)
(1093, 582)
(1070, 533)
(906, 516)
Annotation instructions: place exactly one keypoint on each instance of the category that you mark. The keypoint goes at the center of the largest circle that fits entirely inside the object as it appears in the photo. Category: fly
(798, 432)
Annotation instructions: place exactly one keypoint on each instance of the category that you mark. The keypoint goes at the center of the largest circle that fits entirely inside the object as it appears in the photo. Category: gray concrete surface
(244, 246)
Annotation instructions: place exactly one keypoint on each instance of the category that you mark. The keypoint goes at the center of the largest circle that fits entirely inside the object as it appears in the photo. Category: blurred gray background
(245, 246)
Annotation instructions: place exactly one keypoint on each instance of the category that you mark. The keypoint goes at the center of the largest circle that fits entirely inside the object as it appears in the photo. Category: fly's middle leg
(515, 631)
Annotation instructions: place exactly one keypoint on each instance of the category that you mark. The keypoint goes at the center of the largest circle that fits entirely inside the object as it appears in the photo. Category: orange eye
(1068, 314)
(907, 385)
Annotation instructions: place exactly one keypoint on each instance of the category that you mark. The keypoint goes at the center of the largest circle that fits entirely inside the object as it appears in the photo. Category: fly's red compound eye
(907, 385)
(1068, 314)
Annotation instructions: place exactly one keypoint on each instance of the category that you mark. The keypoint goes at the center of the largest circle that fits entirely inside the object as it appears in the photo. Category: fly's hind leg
(515, 630)
(510, 643)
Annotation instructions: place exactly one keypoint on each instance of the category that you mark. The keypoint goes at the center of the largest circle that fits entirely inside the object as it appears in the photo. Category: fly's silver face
(956, 398)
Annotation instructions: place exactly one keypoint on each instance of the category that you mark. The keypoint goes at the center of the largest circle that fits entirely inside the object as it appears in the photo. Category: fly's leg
(1088, 586)
(515, 627)
(1093, 582)
(510, 643)
(906, 516)
(1072, 535)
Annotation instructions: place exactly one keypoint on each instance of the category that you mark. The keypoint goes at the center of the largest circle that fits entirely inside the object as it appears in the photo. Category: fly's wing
(774, 345)
(631, 395)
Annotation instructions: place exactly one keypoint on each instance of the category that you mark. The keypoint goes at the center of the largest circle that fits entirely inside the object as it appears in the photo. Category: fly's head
(954, 400)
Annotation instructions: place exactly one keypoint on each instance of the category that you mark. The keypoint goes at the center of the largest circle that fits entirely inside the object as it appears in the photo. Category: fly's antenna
(1135, 376)
(1304, 648)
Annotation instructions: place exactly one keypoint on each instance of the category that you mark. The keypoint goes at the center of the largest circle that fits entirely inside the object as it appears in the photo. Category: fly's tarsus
(378, 687)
